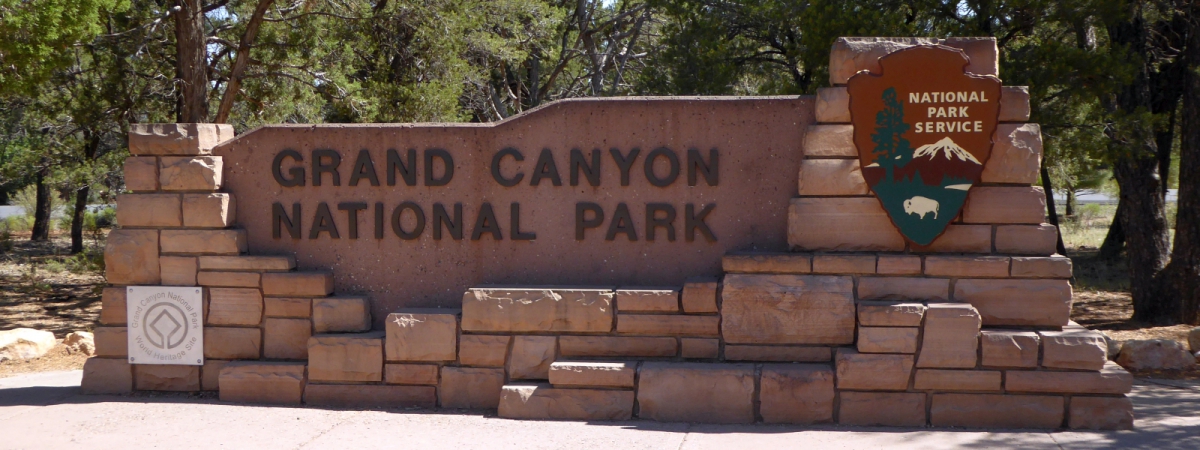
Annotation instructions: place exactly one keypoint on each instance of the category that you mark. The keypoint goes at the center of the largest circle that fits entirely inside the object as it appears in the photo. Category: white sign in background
(166, 325)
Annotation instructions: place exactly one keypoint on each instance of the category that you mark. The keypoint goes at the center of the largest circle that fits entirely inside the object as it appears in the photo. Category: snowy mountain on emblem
(947, 148)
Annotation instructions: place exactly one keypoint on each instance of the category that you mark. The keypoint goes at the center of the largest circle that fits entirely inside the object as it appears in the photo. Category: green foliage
(36, 37)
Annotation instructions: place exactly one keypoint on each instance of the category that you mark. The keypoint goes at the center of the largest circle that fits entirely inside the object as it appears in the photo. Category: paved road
(46, 411)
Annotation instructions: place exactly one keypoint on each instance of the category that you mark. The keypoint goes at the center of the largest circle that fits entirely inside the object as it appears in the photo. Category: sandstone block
(892, 409)
(887, 339)
(1100, 413)
(788, 309)
(1010, 349)
(1041, 240)
(262, 382)
(874, 313)
(1112, 379)
(828, 177)
(898, 265)
(1056, 266)
(228, 279)
(1016, 155)
(149, 210)
(967, 266)
(696, 392)
(777, 353)
(542, 402)
(369, 396)
(215, 210)
(190, 173)
(298, 284)
(470, 388)
(131, 257)
(843, 264)
(113, 308)
(904, 288)
(531, 357)
(232, 343)
(876, 372)
(614, 346)
(424, 374)
(593, 374)
(345, 357)
(1008, 205)
(286, 338)
(951, 337)
(296, 308)
(210, 374)
(648, 300)
(699, 296)
(841, 224)
(106, 376)
(1013, 302)
(483, 351)
(537, 309)
(159, 377)
(177, 138)
(957, 380)
(111, 342)
(141, 174)
(228, 242)
(830, 140)
(421, 335)
(668, 325)
(787, 263)
(178, 270)
(833, 105)
(796, 393)
(1074, 349)
(254, 263)
(234, 306)
(853, 54)
(1155, 354)
(699, 348)
(1014, 103)
(996, 411)
(959, 238)
(342, 314)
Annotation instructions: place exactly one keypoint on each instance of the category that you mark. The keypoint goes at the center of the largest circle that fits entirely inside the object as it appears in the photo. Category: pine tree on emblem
(891, 148)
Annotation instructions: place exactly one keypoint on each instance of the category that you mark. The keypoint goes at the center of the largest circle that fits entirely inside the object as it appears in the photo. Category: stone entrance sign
(165, 325)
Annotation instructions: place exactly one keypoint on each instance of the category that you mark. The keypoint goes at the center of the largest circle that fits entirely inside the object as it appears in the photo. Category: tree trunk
(1185, 257)
(1114, 241)
(41, 212)
(1144, 222)
(1070, 202)
(241, 61)
(81, 199)
(191, 62)
(1053, 213)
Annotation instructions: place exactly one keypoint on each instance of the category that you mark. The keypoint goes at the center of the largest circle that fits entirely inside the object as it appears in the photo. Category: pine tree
(891, 148)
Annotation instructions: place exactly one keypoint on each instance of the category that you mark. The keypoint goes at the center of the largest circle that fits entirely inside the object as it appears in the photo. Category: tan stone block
(777, 353)
(113, 309)
(1012, 302)
(234, 306)
(612, 346)
(215, 210)
(696, 392)
(956, 380)
(177, 270)
(254, 263)
(898, 265)
(796, 393)
(950, 337)
(149, 210)
(106, 376)
(111, 342)
(1014, 103)
(874, 313)
(131, 257)
(421, 335)
(786, 263)
(872, 371)
(228, 242)
(426, 374)
(833, 105)
(536, 309)
(483, 351)
(161, 377)
(1040, 240)
(904, 288)
(369, 396)
(887, 339)
(177, 138)
(286, 338)
(699, 295)
(345, 357)
(1005, 204)
(850, 55)
(967, 266)
(668, 325)
(996, 411)
(1100, 413)
(787, 309)
(1009, 349)
(1112, 379)
(960, 238)
(637, 299)
(1016, 154)
(210, 374)
(341, 314)
(470, 388)
(891, 409)
(141, 174)
(296, 308)
(699, 348)
(843, 264)
(593, 374)
(841, 224)
(830, 140)
(262, 382)
(531, 357)
(826, 177)
(542, 402)
(232, 343)
(228, 279)
(298, 284)
(190, 173)
(1056, 266)
(1074, 349)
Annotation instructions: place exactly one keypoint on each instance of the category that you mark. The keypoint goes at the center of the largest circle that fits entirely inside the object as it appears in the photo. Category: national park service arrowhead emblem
(923, 128)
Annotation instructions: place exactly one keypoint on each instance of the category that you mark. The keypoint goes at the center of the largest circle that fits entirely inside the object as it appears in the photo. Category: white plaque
(166, 325)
